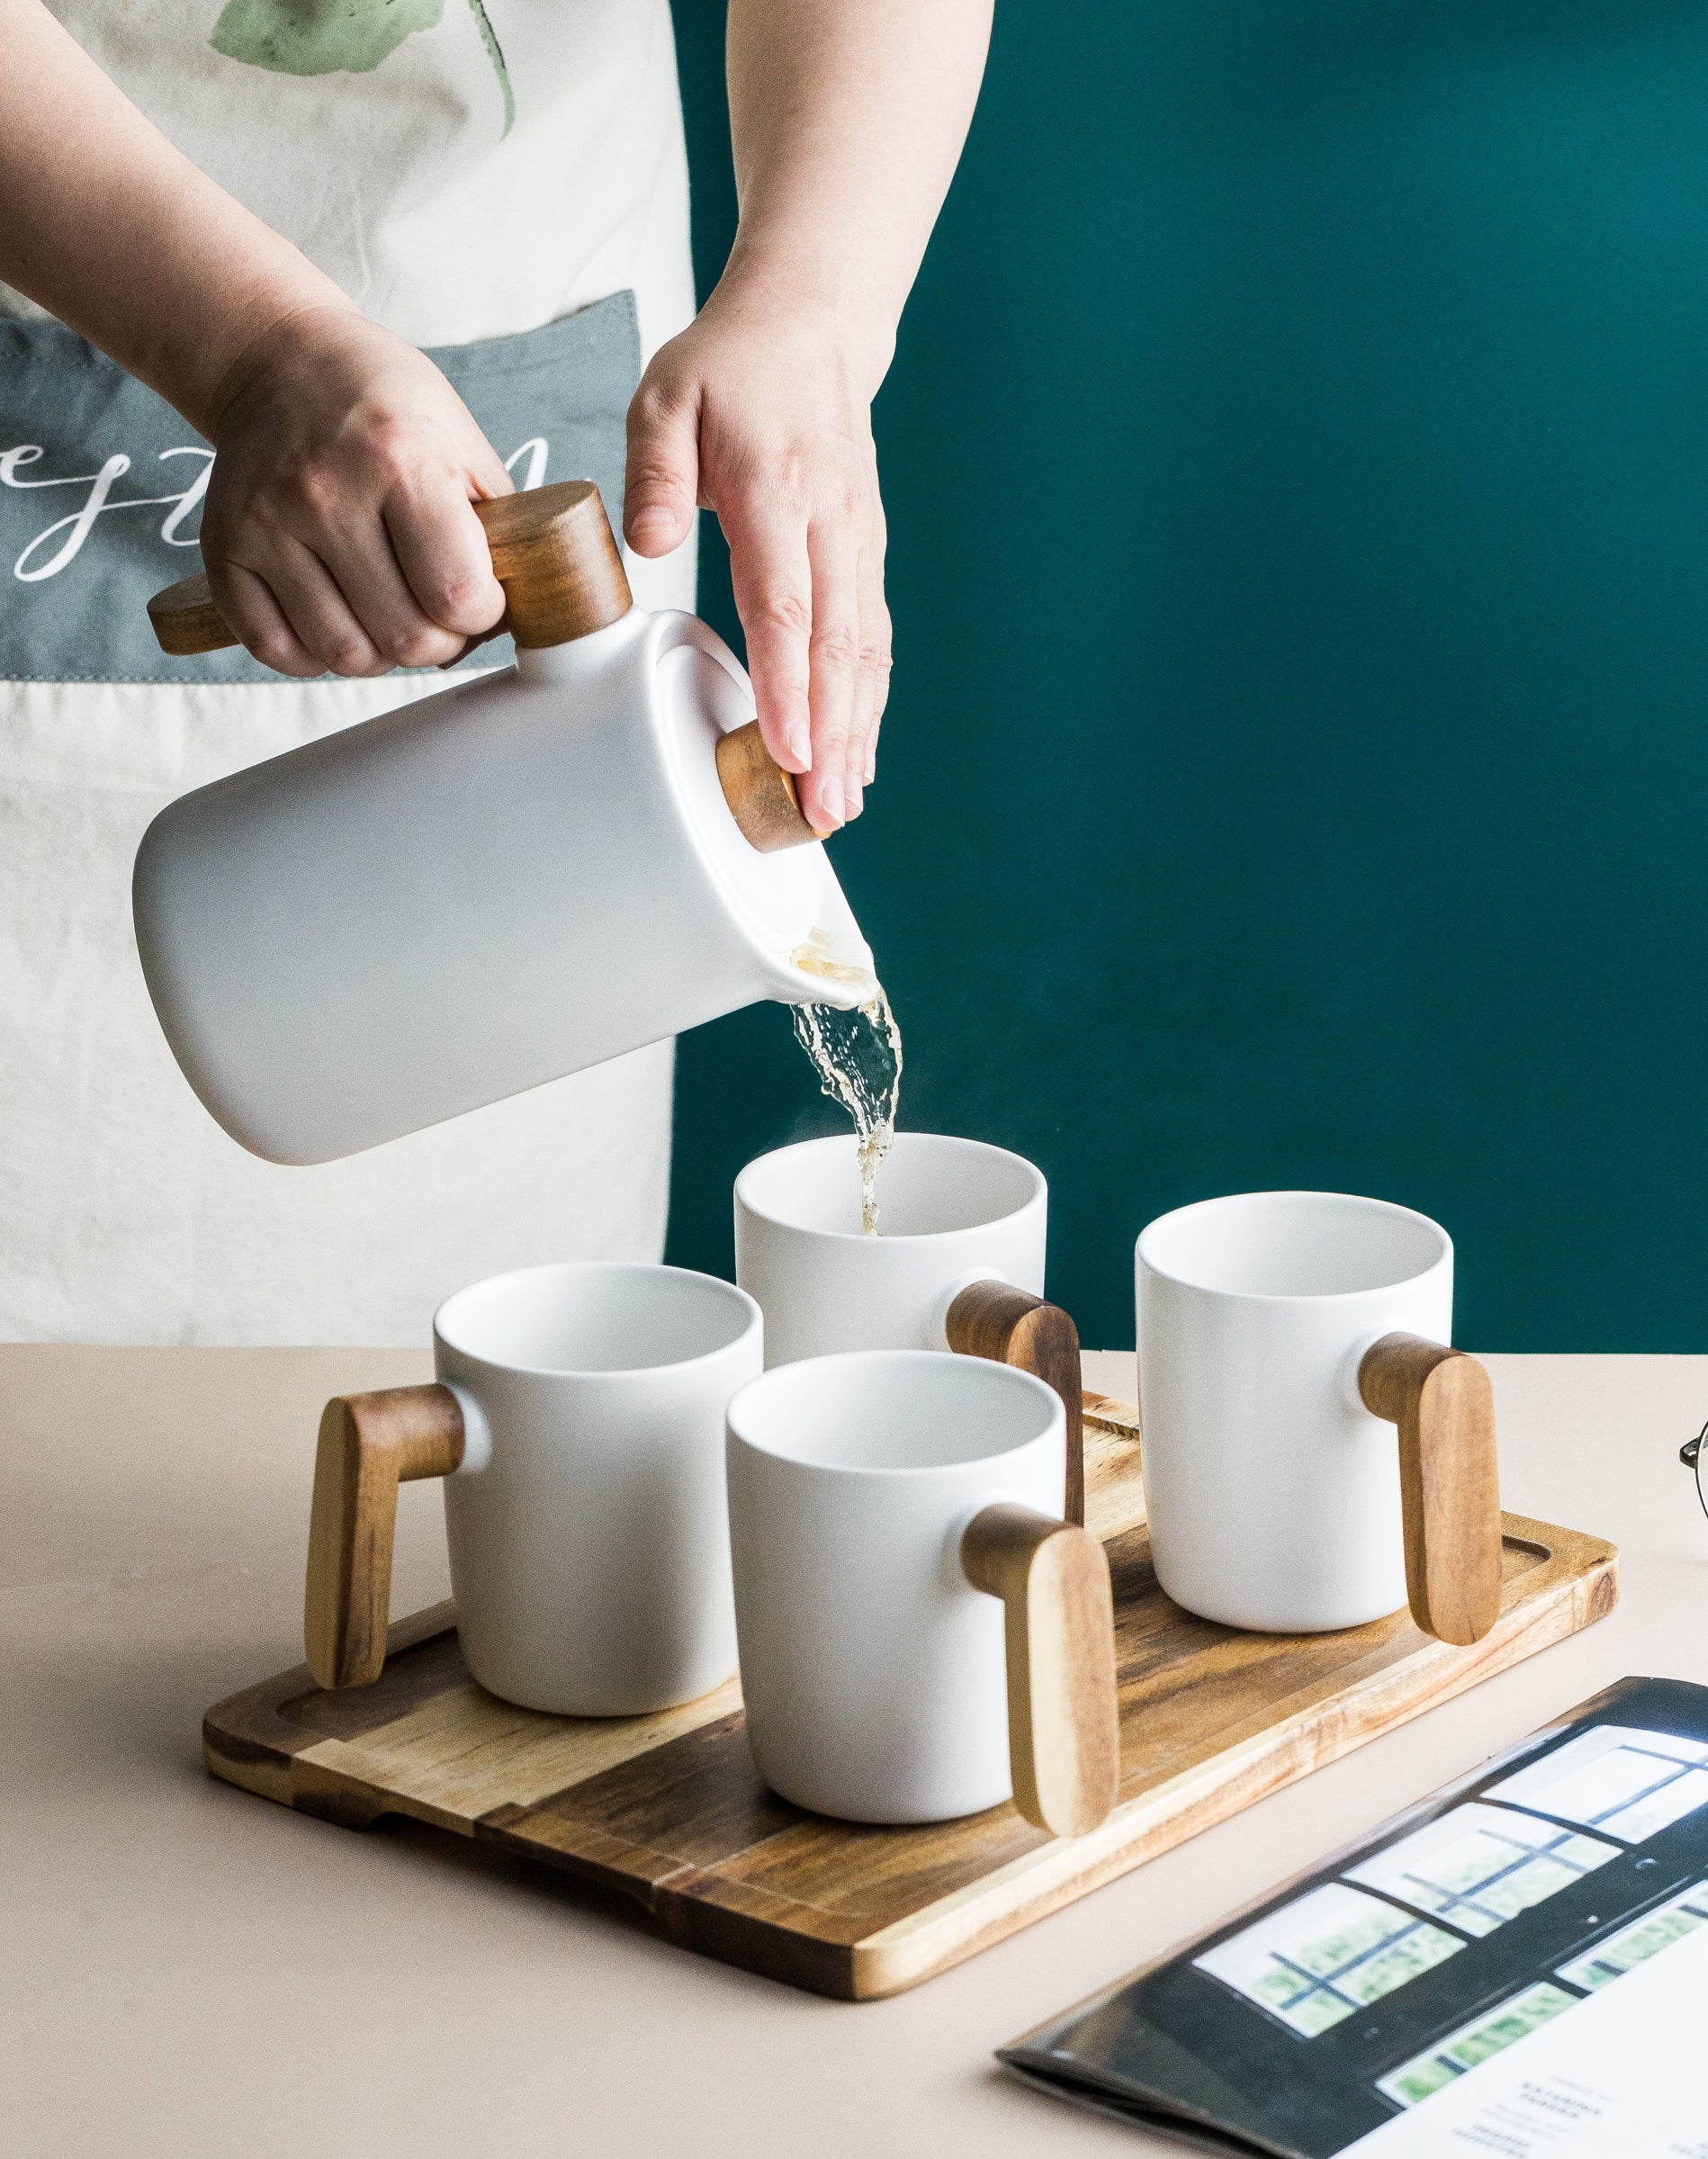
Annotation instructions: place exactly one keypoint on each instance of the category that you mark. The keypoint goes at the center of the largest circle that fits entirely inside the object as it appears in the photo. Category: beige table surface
(187, 1970)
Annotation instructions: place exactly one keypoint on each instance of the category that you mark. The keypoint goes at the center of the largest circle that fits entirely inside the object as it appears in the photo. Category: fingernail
(799, 739)
(855, 794)
(830, 800)
(652, 529)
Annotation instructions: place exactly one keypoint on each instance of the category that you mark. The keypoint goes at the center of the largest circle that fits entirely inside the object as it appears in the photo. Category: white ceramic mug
(903, 1579)
(951, 1212)
(1281, 1336)
(578, 1423)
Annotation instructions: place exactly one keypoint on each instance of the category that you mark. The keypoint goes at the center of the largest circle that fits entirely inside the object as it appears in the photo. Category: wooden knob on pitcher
(552, 550)
(762, 796)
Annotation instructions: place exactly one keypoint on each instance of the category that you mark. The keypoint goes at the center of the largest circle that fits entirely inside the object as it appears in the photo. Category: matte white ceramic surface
(873, 1671)
(502, 883)
(950, 1211)
(1273, 1494)
(588, 1525)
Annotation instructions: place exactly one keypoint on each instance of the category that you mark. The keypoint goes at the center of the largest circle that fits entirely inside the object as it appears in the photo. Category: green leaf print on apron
(339, 36)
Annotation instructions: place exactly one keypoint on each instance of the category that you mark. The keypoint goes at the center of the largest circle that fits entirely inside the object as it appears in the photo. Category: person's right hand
(339, 531)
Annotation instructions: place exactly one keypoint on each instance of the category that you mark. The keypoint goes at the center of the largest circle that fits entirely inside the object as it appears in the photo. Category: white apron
(468, 173)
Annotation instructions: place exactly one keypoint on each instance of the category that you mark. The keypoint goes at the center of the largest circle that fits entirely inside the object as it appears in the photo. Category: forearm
(336, 531)
(110, 228)
(847, 118)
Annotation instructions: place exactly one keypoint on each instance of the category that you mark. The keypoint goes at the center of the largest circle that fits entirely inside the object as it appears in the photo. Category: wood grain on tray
(668, 1808)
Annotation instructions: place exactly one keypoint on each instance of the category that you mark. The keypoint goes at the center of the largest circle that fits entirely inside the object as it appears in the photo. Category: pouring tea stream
(504, 882)
(857, 1055)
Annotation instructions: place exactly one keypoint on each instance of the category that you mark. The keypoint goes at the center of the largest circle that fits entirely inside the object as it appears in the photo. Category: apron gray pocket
(101, 482)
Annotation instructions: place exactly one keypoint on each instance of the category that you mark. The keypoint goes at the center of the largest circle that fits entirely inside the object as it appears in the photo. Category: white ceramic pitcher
(507, 881)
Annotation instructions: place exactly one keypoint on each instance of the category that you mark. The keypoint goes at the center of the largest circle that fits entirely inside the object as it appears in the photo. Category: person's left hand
(761, 412)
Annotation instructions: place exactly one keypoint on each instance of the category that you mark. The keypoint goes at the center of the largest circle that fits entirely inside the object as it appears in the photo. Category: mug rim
(956, 1140)
(1393, 1210)
(583, 1269)
(779, 1375)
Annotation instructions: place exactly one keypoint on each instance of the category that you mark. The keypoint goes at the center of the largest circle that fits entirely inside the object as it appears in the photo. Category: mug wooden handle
(552, 550)
(1449, 1479)
(1011, 1327)
(1063, 1730)
(369, 1444)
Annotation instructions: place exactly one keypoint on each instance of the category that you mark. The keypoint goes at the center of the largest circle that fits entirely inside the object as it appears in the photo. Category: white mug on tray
(921, 1634)
(578, 1423)
(1282, 1337)
(950, 1212)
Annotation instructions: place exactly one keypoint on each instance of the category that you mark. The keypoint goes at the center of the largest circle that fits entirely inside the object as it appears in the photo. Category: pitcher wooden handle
(1064, 1731)
(552, 550)
(1449, 1479)
(370, 1443)
(185, 621)
(1011, 1327)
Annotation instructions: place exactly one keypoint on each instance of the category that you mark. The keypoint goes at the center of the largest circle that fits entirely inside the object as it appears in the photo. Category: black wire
(1690, 1454)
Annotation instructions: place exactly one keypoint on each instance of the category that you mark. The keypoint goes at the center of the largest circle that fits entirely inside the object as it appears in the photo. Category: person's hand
(761, 412)
(339, 530)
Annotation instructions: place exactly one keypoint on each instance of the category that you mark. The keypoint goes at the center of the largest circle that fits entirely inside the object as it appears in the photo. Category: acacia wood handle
(1443, 1404)
(1011, 1327)
(552, 550)
(185, 621)
(1059, 1613)
(369, 1444)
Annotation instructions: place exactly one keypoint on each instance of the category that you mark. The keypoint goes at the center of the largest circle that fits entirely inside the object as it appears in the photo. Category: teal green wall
(1296, 464)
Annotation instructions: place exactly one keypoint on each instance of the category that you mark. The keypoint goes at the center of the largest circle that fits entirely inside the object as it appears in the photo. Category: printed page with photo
(1441, 1975)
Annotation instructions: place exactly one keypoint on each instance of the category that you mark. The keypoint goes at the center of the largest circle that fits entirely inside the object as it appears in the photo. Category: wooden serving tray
(668, 1809)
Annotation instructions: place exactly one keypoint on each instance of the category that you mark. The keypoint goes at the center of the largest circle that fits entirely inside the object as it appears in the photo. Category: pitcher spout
(832, 964)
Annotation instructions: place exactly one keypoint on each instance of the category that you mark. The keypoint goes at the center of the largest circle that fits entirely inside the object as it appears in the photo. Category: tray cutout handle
(1011, 1327)
(1443, 1403)
(369, 1444)
(1064, 1728)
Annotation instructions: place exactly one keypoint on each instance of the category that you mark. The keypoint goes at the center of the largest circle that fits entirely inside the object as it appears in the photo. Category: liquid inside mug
(921, 1634)
(578, 1423)
(1282, 1336)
